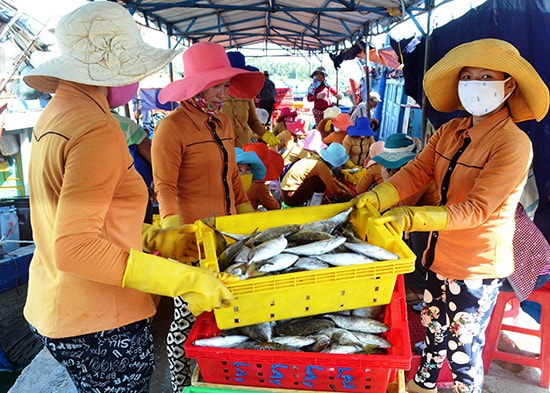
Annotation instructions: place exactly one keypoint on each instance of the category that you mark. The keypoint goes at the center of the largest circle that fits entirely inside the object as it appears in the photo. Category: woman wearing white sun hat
(89, 281)
(480, 163)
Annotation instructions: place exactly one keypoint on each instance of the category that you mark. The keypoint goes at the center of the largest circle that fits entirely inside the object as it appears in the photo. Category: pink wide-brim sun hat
(205, 65)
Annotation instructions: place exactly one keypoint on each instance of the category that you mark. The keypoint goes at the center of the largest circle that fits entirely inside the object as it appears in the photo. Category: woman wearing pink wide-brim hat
(195, 171)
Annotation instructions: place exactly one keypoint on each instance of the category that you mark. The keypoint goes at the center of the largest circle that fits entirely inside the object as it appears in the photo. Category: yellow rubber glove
(245, 208)
(199, 287)
(271, 139)
(350, 164)
(227, 278)
(381, 197)
(170, 221)
(416, 218)
(176, 243)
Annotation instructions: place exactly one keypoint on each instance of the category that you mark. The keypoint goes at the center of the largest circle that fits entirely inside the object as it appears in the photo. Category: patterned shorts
(120, 360)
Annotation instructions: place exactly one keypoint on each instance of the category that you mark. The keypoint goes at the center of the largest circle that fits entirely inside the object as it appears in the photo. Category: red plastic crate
(306, 370)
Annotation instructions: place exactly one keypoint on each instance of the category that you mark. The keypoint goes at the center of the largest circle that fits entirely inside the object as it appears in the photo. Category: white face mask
(481, 97)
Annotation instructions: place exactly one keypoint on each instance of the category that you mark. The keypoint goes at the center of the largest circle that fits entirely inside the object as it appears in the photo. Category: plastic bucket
(9, 226)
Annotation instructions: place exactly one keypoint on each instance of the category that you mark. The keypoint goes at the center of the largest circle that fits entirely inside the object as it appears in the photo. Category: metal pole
(429, 4)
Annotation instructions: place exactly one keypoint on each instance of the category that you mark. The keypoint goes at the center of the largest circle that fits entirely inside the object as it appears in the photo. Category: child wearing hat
(319, 93)
(308, 178)
(90, 281)
(358, 140)
(480, 164)
(201, 178)
(285, 116)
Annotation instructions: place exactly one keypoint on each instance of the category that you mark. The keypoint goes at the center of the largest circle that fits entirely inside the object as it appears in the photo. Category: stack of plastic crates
(300, 294)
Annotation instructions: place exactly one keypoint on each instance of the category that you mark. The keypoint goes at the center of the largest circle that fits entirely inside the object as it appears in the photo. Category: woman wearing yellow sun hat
(480, 164)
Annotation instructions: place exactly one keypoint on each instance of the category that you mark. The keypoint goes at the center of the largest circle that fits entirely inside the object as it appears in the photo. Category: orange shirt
(87, 205)
(194, 167)
(483, 193)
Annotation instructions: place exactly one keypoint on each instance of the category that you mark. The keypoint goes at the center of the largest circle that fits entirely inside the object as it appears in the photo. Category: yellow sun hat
(529, 101)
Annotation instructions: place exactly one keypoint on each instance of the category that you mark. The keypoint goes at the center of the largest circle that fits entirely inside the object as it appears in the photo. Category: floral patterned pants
(456, 314)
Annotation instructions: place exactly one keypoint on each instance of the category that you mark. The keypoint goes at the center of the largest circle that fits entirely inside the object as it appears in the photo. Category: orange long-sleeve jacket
(483, 192)
(194, 166)
(87, 205)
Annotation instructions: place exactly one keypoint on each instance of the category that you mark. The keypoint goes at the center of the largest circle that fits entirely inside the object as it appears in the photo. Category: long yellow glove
(245, 208)
(271, 139)
(177, 243)
(416, 218)
(381, 197)
(199, 287)
(170, 221)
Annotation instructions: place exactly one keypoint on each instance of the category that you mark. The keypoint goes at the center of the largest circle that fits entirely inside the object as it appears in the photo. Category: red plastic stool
(491, 351)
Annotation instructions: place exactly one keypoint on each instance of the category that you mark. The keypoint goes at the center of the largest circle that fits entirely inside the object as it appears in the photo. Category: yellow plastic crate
(300, 294)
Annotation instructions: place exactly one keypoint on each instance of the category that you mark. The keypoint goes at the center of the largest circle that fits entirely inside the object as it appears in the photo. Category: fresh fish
(322, 341)
(272, 346)
(294, 341)
(240, 269)
(343, 349)
(221, 341)
(341, 336)
(374, 312)
(372, 340)
(328, 225)
(274, 233)
(371, 251)
(351, 322)
(267, 249)
(227, 257)
(318, 247)
(302, 326)
(305, 237)
(242, 255)
(344, 259)
(277, 263)
(310, 263)
(259, 332)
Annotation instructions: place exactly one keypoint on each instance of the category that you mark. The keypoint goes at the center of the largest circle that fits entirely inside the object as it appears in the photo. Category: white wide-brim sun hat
(100, 45)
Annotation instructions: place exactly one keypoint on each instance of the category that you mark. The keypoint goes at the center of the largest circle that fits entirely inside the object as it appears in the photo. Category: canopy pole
(429, 4)
(367, 70)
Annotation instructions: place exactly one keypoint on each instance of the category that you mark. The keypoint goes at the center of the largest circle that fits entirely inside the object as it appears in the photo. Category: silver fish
(344, 259)
(267, 249)
(371, 251)
(302, 326)
(322, 341)
(351, 322)
(227, 257)
(341, 336)
(294, 341)
(305, 237)
(277, 263)
(273, 233)
(343, 349)
(327, 225)
(242, 255)
(372, 340)
(374, 312)
(317, 248)
(259, 332)
(240, 269)
(221, 341)
(310, 263)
